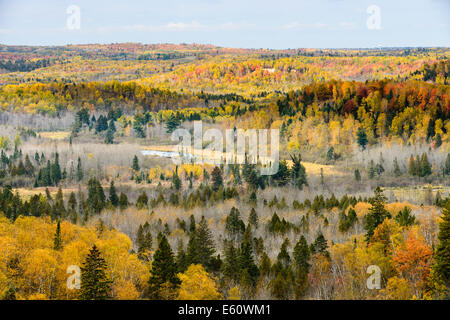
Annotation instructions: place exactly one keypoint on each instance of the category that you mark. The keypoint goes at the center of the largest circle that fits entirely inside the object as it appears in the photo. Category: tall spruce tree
(113, 198)
(95, 285)
(79, 170)
(57, 241)
(164, 269)
(377, 213)
(361, 138)
(217, 180)
(441, 267)
(201, 245)
(135, 164)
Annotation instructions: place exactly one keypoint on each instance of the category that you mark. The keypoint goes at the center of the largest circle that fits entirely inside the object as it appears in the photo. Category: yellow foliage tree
(197, 284)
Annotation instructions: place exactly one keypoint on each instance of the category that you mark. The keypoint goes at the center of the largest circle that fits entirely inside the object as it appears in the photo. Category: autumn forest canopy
(87, 182)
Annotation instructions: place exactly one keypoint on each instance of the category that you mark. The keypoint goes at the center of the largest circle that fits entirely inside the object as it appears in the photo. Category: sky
(274, 24)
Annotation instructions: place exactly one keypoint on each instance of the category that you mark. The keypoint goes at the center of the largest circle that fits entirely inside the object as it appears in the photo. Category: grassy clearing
(311, 168)
(55, 135)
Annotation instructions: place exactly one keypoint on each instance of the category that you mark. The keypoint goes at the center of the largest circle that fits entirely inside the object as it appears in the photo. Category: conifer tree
(142, 200)
(397, 171)
(79, 170)
(113, 198)
(96, 196)
(172, 123)
(201, 245)
(320, 245)
(55, 170)
(164, 269)
(144, 241)
(135, 164)
(377, 213)
(253, 218)
(181, 259)
(301, 257)
(192, 224)
(357, 175)
(425, 166)
(230, 266)
(441, 267)
(405, 218)
(123, 201)
(249, 270)
(217, 179)
(361, 138)
(447, 165)
(95, 285)
(57, 241)
(298, 172)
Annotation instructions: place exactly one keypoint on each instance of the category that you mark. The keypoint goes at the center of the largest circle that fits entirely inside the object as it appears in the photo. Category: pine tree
(55, 170)
(123, 201)
(249, 269)
(441, 267)
(176, 181)
(142, 200)
(405, 218)
(412, 166)
(397, 171)
(425, 166)
(438, 141)
(181, 259)
(230, 266)
(357, 175)
(135, 164)
(301, 257)
(172, 123)
(192, 225)
(57, 241)
(164, 269)
(96, 196)
(447, 165)
(144, 241)
(253, 218)
(59, 210)
(377, 213)
(79, 170)
(298, 172)
(113, 198)
(233, 223)
(201, 245)
(302, 254)
(109, 136)
(320, 245)
(217, 179)
(361, 138)
(94, 283)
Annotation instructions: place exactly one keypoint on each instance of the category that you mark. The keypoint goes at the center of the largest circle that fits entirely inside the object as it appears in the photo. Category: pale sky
(276, 24)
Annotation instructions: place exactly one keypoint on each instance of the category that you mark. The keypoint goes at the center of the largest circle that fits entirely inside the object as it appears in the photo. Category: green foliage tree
(164, 269)
(361, 138)
(377, 213)
(217, 180)
(405, 218)
(201, 246)
(135, 164)
(57, 241)
(95, 285)
(441, 267)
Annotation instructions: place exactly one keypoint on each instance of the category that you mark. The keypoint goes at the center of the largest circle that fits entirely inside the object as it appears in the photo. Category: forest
(87, 188)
